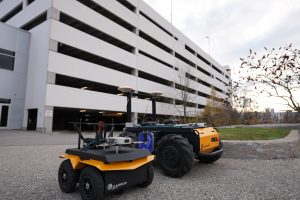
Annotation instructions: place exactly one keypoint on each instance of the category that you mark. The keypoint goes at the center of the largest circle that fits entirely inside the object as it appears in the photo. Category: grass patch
(253, 133)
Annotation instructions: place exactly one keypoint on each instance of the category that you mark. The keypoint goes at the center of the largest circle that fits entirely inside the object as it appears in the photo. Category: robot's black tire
(174, 155)
(67, 177)
(91, 184)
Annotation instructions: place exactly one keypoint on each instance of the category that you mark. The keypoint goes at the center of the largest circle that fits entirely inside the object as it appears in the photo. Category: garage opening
(32, 119)
(3, 115)
(63, 118)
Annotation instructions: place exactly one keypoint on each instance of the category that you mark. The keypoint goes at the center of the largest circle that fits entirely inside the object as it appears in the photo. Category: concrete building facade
(82, 51)
(14, 48)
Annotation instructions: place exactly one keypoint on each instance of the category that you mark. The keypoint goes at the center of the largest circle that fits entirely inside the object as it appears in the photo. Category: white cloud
(234, 26)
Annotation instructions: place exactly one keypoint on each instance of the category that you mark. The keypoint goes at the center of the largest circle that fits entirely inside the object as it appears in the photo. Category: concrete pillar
(136, 49)
(172, 84)
(53, 13)
(134, 118)
(134, 115)
(135, 72)
(53, 45)
(25, 3)
(48, 120)
(25, 119)
(51, 77)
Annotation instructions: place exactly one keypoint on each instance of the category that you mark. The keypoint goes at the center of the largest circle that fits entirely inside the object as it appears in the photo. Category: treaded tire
(174, 155)
(67, 177)
(91, 184)
(150, 176)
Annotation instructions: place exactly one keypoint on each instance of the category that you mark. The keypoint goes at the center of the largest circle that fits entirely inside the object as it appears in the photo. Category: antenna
(171, 11)
(208, 38)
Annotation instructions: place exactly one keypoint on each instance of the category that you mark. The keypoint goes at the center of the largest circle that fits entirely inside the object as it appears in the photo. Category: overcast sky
(234, 26)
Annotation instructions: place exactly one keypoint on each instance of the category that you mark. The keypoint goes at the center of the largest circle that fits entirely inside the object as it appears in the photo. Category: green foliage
(253, 133)
(215, 116)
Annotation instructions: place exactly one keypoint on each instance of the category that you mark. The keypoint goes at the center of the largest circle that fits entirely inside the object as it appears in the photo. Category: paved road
(29, 138)
(30, 172)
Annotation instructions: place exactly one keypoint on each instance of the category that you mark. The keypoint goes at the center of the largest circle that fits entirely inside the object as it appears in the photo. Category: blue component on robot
(147, 141)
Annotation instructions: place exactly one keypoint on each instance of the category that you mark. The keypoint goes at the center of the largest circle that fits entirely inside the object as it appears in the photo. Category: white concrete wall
(37, 72)
(61, 96)
(69, 66)
(7, 6)
(13, 83)
(61, 64)
(70, 36)
(38, 55)
(65, 65)
(92, 18)
(30, 12)
(120, 10)
(182, 39)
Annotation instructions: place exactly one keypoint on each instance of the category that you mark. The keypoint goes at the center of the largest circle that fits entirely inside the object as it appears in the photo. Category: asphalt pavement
(287, 147)
(29, 164)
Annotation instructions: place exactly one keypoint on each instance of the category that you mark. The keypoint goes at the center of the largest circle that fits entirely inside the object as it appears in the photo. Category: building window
(200, 106)
(85, 84)
(30, 1)
(190, 49)
(66, 19)
(12, 13)
(203, 59)
(6, 101)
(156, 59)
(35, 22)
(155, 42)
(127, 5)
(106, 13)
(86, 56)
(215, 68)
(183, 59)
(203, 71)
(7, 59)
(159, 26)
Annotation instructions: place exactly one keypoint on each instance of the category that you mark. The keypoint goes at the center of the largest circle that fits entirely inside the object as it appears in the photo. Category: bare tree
(244, 99)
(185, 95)
(275, 73)
(236, 108)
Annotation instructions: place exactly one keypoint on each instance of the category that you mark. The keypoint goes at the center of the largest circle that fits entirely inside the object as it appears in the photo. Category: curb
(288, 147)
